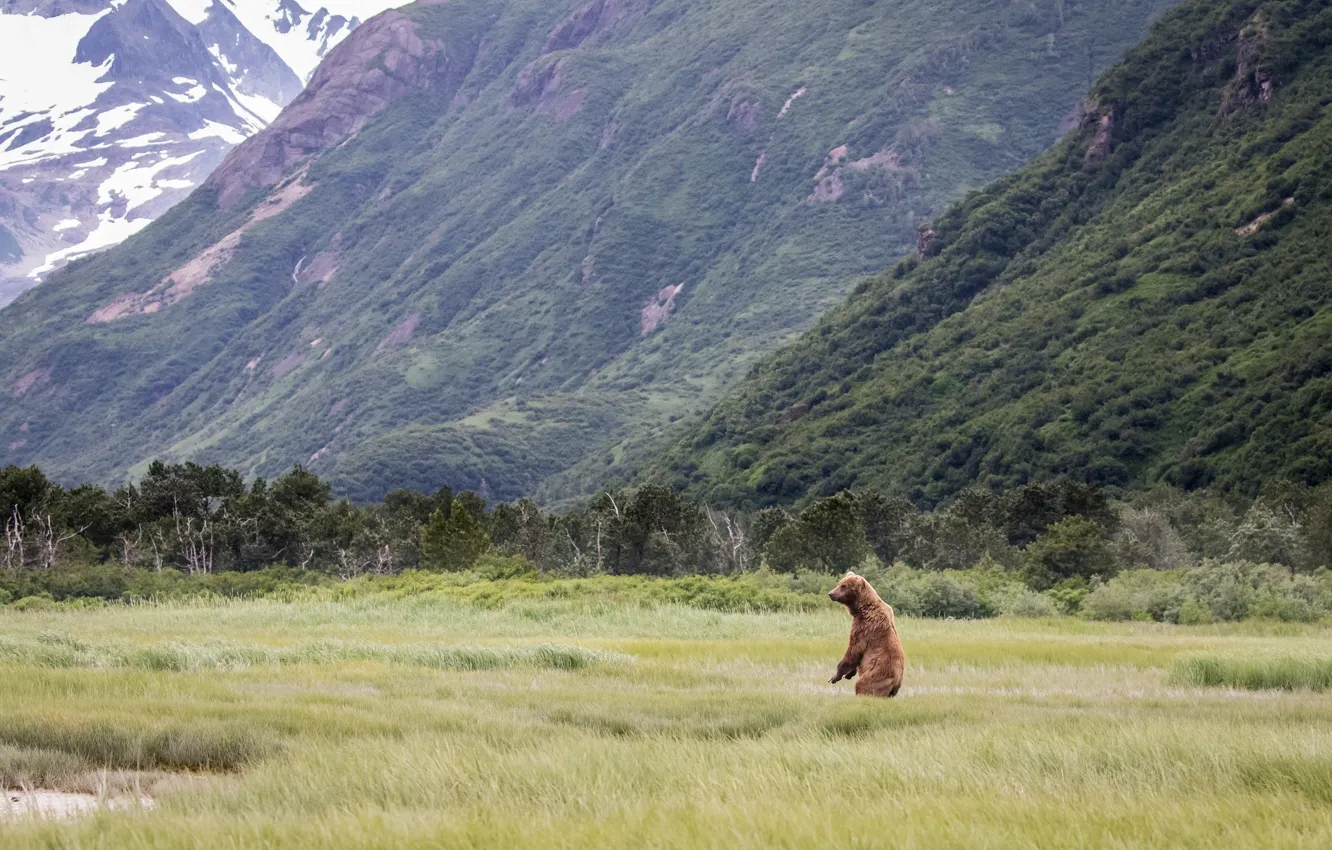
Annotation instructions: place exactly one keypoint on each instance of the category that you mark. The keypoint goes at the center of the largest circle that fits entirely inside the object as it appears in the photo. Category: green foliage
(1284, 672)
(453, 541)
(1148, 302)
(495, 248)
(1212, 592)
(1073, 548)
(191, 531)
(828, 537)
(1137, 595)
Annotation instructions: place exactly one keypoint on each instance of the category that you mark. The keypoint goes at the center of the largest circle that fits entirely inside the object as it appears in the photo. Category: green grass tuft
(61, 651)
(1255, 673)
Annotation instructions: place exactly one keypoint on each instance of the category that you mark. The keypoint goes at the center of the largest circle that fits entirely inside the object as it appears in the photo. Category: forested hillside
(496, 239)
(1148, 302)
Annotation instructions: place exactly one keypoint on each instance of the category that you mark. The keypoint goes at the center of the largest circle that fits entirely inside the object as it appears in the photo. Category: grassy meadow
(427, 721)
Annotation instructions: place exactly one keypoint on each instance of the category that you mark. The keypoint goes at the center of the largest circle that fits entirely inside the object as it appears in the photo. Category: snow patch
(222, 60)
(30, 41)
(66, 224)
(142, 141)
(193, 95)
(212, 129)
(61, 141)
(114, 119)
(137, 184)
(194, 11)
(301, 46)
(110, 231)
(261, 110)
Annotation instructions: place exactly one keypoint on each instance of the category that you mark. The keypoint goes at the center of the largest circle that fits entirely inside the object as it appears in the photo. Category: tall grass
(63, 651)
(1283, 671)
(339, 727)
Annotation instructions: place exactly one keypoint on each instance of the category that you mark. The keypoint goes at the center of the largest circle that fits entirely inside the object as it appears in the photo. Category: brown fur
(875, 651)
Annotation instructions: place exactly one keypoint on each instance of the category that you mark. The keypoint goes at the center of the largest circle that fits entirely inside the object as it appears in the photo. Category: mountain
(495, 243)
(111, 111)
(1150, 301)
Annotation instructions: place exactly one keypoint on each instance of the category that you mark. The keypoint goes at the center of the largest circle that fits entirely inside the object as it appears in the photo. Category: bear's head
(850, 590)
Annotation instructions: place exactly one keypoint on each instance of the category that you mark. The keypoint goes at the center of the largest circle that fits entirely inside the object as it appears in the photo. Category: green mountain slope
(1149, 301)
(496, 238)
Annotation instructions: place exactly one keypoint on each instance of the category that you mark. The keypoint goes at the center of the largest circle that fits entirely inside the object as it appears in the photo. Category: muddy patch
(400, 334)
(35, 378)
(65, 805)
(786, 107)
(758, 166)
(1255, 225)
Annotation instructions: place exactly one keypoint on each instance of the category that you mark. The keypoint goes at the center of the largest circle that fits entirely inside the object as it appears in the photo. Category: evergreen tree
(452, 542)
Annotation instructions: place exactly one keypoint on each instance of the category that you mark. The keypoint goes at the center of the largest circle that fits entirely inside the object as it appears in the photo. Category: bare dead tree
(158, 541)
(579, 559)
(600, 565)
(129, 548)
(14, 554)
(384, 559)
(197, 544)
(351, 564)
(728, 536)
(49, 541)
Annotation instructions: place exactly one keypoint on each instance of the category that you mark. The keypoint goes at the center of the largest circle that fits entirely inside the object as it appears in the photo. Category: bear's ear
(851, 574)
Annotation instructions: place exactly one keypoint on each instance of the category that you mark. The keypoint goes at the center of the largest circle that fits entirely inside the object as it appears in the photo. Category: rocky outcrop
(597, 17)
(925, 241)
(538, 79)
(542, 82)
(1101, 121)
(829, 184)
(1253, 83)
(792, 413)
(658, 308)
(380, 62)
(743, 114)
(758, 166)
(828, 189)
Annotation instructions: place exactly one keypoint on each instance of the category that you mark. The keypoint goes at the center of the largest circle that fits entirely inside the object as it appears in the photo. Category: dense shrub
(1238, 590)
(1136, 595)
(1215, 591)
(1015, 600)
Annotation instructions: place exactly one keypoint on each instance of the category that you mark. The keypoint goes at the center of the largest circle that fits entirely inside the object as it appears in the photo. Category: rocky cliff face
(379, 63)
(110, 112)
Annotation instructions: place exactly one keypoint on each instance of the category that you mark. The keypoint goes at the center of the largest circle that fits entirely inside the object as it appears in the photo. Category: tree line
(1053, 535)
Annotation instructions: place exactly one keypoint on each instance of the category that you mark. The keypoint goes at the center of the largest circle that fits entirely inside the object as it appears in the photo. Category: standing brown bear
(875, 651)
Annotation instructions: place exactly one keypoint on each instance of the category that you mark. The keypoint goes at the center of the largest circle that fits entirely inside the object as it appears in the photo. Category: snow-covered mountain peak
(112, 110)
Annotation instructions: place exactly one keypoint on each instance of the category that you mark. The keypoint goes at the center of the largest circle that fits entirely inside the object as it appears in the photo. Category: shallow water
(62, 805)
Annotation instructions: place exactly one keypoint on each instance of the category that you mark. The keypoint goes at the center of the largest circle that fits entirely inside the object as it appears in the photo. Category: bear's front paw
(835, 679)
